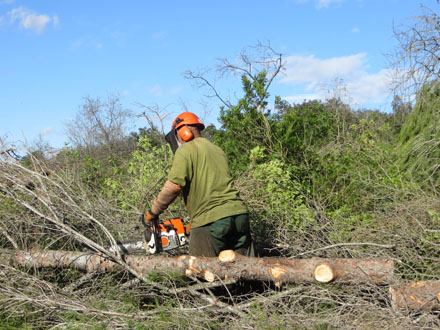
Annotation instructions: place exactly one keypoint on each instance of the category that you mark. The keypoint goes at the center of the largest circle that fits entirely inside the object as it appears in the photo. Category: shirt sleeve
(180, 172)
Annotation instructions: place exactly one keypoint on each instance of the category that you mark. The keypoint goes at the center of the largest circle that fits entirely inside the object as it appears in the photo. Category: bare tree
(416, 59)
(154, 114)
(257, 65)
(249, 62)
(99, 124)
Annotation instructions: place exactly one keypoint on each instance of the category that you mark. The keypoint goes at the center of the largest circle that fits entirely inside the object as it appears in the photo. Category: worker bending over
(200, 171)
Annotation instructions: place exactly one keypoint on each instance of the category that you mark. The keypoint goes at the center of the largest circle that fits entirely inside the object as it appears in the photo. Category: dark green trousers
(230, 233)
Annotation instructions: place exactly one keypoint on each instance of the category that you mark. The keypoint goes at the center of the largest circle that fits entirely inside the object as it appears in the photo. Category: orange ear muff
(185, 133)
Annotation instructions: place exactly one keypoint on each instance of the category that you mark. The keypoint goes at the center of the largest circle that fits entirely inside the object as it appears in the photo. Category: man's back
(201, 169)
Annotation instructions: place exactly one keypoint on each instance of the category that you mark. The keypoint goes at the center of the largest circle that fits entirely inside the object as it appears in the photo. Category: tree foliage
(247, 124)
(302, 127)
(420, 138)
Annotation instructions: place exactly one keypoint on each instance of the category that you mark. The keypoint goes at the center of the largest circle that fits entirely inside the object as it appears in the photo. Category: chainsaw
(165, 235)
(158, 236)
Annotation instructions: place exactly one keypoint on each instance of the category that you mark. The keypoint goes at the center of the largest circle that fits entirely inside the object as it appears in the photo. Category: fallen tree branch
(216, 303)
(8, 237)
(206, 285)
(43, 206)
(229, 265)
(75, 285)
(422, 295)
(343, 245)
(271, 298)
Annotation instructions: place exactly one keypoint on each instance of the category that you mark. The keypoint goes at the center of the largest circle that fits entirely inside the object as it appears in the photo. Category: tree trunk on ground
(229, 265)
(422, 295)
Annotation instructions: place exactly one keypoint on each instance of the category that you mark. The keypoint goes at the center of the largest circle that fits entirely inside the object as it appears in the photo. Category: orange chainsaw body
(165, 235)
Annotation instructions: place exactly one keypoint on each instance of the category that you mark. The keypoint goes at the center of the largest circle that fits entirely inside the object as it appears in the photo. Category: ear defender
(185, 133)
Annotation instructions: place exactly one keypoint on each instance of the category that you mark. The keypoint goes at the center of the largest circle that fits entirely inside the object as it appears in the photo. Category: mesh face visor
(171, 139)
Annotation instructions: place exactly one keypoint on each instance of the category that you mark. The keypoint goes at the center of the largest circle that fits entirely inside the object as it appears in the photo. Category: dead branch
(422, 295)
(8, 237)
(269, 299)
(416, 60)
(206, 285)
(382, 246)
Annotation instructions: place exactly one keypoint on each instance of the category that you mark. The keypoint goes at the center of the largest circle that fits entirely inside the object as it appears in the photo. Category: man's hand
(147, 218)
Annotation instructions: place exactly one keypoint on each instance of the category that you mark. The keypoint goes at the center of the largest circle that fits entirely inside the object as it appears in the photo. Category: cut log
(422, 295)
(227, 256)
(324, 273)
(282, 270)
(229, 265)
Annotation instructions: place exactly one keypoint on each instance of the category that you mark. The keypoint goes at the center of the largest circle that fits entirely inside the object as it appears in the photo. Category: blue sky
(55, 53)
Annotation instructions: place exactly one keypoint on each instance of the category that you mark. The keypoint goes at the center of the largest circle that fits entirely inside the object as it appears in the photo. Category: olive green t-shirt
(201, 169)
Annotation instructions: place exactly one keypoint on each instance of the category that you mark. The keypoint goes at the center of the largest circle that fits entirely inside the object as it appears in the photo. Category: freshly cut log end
(324, 273)
(227, 256)
(209, 276)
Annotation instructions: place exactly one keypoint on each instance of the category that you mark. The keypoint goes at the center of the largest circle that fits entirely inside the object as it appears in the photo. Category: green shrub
(274, 194)
(419, 139)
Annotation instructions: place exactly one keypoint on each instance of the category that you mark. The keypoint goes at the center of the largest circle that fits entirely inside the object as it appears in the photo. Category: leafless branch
(333, 246)
(249, 62)
(416, 61)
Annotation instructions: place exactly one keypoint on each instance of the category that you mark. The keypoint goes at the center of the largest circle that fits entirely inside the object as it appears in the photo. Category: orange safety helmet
(181, 122)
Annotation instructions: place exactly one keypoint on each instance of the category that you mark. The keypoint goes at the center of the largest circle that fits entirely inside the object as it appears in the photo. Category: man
(200, 171)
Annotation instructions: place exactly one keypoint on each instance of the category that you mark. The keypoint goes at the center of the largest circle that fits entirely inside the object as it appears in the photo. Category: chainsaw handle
(154, 222)
(146, 218)
(188, 228)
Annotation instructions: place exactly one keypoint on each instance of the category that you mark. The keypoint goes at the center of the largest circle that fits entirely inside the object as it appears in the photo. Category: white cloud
(320, 3)
(6, 2)
(156, 90)
(309, 69)
(30, 20)
(370, 88)
(345, 75)
(355, 30)
(46, 131)
(299, 98)
(87, 42)
(326, 3)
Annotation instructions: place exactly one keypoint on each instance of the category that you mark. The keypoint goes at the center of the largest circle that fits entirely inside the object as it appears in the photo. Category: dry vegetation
(47, 209)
